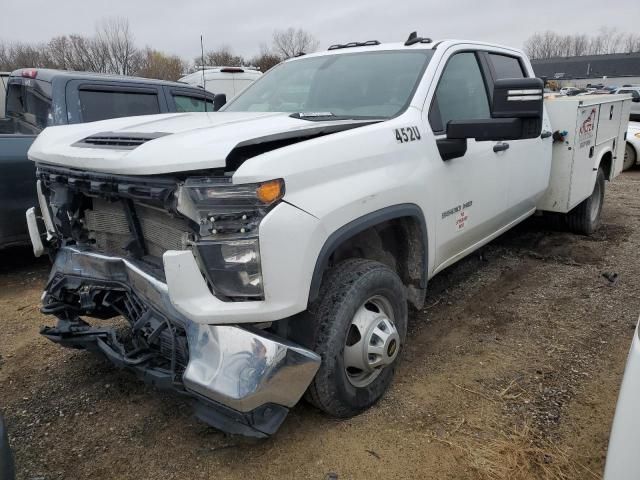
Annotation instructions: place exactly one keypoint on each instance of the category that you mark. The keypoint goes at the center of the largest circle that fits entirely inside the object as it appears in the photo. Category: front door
(470, 191)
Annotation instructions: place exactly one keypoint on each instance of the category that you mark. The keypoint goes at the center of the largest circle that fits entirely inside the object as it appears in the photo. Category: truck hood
(169, 143)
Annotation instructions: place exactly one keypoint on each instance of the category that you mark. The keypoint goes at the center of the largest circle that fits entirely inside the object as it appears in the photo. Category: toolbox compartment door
(609, 121)
(582, 174)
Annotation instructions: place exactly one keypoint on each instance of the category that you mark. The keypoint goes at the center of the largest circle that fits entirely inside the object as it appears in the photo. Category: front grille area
(107, 225)
(152, 330)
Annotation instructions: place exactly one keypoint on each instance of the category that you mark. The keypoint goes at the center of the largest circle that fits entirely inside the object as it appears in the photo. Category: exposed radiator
(107, 225)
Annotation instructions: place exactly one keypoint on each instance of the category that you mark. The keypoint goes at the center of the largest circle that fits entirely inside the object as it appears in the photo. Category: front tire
(585, 218)
(360, 323)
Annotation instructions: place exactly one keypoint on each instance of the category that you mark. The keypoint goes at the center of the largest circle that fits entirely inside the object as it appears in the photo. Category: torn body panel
(243, 380)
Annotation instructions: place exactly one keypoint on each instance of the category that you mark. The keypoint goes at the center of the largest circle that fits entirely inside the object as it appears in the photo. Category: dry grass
(519, 454)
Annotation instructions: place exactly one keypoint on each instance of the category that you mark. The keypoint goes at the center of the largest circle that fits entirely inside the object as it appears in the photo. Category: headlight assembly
(228, 217)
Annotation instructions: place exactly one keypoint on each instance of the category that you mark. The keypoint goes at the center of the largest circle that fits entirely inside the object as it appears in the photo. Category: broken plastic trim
(257, 146)
(260, 422)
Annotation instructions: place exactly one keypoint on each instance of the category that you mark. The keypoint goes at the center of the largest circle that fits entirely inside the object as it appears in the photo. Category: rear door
(528, 162)
(91, 100)
(471, 191)
(189, 100)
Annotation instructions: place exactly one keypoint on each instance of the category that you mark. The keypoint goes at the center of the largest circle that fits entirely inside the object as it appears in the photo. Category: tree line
(112, 49)
(607, 40)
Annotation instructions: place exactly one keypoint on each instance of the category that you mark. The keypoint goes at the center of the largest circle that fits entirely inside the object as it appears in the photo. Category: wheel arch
(606, 163)
(412, 241)
(635, 149)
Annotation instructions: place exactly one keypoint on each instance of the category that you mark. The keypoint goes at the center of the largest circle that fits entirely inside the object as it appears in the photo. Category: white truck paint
(632, 148)
(314, 216)
(622, 454)
(595, 127)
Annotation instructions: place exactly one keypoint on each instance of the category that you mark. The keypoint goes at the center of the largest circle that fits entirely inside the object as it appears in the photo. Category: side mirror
(518, 98)
(219, 100)
(516, 113)
(636, 100)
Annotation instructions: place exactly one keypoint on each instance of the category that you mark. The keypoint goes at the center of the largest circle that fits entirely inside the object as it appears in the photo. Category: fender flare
(361, 224)
(603, 154)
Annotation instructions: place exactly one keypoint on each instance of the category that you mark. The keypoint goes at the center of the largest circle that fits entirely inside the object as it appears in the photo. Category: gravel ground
(512, 371)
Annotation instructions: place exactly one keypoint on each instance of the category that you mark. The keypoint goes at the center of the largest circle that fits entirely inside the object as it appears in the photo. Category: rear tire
(630, 157)
(585, 218)
(360, 325)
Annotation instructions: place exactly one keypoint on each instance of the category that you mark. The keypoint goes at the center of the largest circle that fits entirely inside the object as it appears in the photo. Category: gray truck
(38, 98)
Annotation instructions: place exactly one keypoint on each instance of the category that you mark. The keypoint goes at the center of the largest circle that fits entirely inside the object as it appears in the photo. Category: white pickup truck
(274, 248)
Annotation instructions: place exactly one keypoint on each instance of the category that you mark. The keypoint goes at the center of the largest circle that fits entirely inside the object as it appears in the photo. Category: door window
(103, 104)
(505, 66)
(461, 93)
(186, 103)
(29, 106)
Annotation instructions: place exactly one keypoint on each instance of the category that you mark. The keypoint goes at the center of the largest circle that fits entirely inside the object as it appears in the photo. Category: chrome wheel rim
(372, 342)
(595, 203)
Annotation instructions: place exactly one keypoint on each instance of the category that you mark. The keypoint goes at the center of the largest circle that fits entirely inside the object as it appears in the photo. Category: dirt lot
(512, 372)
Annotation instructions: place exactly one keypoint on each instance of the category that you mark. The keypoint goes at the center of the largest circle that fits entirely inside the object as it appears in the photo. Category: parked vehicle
(566, 90)
(632, 147)
(223, 80)
(37, 98)
(274, 248)
(622, 454)
(4, 76)
(635, 95)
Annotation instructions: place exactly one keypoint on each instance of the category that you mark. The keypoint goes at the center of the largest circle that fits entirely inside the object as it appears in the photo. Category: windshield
(353, 85)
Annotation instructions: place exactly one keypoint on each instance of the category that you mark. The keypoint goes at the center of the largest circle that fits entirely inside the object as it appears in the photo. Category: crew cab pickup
(37, 98)
(273, 249)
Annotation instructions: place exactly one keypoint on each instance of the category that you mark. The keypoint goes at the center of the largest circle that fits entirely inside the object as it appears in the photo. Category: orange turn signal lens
(271, 191)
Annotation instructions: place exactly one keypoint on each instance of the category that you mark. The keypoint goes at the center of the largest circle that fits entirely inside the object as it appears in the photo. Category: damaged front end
(108, 238)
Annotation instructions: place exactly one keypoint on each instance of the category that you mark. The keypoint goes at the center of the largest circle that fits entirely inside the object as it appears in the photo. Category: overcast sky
(175, 26)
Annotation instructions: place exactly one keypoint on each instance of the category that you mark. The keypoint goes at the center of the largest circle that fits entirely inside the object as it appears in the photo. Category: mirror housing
(219, 100)
(636, 100)
(495, 129)
(518, 98)
(516, 113)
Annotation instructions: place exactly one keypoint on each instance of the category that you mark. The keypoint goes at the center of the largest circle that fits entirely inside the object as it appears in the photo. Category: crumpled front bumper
(244, 379)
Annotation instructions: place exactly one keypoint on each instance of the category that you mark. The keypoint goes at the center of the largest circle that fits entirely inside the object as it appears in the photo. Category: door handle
(500, 147)
(545, 134)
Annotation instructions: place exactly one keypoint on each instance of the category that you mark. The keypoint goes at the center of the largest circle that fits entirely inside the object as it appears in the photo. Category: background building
(616, 69)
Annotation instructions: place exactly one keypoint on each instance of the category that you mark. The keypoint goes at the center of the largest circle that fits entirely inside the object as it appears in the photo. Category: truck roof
(48, 74)
(434, 44)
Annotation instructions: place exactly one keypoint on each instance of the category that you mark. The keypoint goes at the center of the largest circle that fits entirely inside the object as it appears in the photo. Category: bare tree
(19, 55)
(114, 37)
(266, 59)
(292, 42)
(608, 40)
(580, 45)
(222, 57)
(155, 64)
(631, 43)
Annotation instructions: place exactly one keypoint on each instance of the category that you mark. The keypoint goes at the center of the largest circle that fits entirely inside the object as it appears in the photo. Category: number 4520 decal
(407, 134)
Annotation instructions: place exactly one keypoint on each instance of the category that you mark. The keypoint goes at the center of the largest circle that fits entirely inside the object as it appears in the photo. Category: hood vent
(118, 141)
